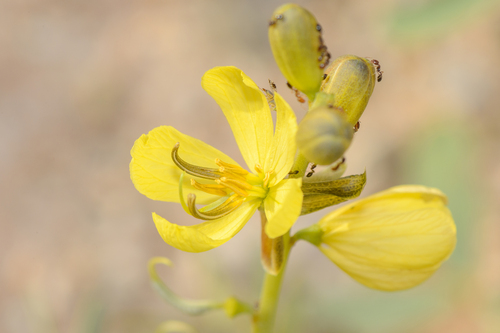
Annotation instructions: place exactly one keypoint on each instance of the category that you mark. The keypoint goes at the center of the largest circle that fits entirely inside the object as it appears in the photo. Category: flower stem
(263, 320)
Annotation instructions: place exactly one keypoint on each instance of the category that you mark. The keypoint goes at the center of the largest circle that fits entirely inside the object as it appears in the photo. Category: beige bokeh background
(81, 80)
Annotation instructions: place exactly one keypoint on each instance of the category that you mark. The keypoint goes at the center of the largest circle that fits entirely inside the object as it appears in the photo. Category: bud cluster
(337, 96)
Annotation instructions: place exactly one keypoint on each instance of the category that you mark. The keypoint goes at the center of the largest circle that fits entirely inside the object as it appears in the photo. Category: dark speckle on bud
(318, 27)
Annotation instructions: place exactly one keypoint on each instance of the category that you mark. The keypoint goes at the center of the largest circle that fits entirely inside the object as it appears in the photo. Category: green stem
(263, 320)
(265, 315)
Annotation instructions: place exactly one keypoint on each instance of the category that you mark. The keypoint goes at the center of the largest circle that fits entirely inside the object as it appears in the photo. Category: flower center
(232, 183)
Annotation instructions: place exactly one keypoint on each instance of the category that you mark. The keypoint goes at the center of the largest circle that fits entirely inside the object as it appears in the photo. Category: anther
(236, 169)
(258, 168)
(267, 178)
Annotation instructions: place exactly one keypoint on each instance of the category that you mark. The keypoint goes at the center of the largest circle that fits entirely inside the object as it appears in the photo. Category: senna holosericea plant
(392, 240)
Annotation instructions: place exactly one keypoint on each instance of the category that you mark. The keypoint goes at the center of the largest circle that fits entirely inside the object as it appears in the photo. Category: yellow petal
(392, 240)
(155, 175)
(207, 235)
(246, 110)
(282, 206)
(281, 154)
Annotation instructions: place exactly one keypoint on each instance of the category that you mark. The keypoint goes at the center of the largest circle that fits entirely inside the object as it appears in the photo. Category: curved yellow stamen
(230, 174)
(222, 210)
(233, 185)
(214, 189)
(231, 167)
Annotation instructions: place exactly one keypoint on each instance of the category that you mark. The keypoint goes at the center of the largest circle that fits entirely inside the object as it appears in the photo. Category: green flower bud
(298, 48)
(351, 80)
(324, 135)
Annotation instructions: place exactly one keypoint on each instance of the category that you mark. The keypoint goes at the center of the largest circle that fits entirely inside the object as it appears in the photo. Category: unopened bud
(298, 48)
(351, 80)
(324, 135)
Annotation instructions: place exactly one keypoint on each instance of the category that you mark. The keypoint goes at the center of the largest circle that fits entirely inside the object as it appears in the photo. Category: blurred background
(80, 81)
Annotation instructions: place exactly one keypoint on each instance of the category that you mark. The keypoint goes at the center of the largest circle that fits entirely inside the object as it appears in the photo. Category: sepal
(322, 194)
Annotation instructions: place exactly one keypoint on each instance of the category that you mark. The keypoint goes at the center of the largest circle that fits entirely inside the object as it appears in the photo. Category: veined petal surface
(281, 154)
(246, 110)
(392, 240)
(207, 235)
(155, 175)
(282, 206)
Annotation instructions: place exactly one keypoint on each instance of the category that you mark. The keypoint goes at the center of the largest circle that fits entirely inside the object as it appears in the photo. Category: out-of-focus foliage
(423, 20)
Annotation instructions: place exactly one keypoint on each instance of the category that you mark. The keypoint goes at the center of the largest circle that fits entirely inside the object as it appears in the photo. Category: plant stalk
(263, 320)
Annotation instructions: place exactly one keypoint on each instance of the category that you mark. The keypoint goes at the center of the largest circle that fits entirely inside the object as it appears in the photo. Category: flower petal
(282, 206)
(281, 154)
(392, 240)
(155, 175)
(207, 235)
(245, 108)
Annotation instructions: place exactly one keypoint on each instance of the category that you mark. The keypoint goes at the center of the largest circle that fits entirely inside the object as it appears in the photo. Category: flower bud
(324, 135)
(351, 80)
(298, 48)
(392, 240)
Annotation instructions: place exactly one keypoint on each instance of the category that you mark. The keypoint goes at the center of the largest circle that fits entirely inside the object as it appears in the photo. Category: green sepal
(272, 254)
(319, 195)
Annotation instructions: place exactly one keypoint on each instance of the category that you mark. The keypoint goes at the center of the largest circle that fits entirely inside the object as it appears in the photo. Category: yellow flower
(392, 240)
(232, 193)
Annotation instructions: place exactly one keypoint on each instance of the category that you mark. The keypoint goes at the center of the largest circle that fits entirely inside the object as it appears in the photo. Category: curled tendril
(231, 305)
